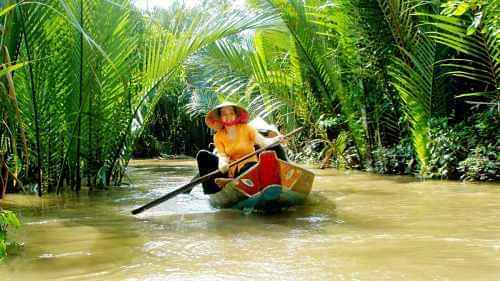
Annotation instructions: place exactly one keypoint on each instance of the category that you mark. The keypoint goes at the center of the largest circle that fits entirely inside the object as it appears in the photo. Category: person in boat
(234, 138)
(269, 131)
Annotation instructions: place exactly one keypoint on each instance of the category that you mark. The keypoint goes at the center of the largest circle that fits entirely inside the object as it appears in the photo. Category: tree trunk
(4, 177)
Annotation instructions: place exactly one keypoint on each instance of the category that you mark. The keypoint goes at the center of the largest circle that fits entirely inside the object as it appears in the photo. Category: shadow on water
(317, 212)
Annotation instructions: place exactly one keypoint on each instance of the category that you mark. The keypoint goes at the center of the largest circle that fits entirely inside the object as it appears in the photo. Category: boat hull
(269, 186)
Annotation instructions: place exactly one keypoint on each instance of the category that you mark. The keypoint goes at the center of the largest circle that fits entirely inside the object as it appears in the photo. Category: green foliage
(468, 150)
(471, 28)
(173, 130)
(446, 148)
(412, 70)
(333, 150)
(96, 74)
(368, 79)
(7, 219)
(472, 7)
(482, 134)
(482, 163)
(398, 159)
(309, 153)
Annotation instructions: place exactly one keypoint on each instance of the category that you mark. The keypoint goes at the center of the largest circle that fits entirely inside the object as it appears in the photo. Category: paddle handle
(174, 193)
(206, 177)
(264, 148)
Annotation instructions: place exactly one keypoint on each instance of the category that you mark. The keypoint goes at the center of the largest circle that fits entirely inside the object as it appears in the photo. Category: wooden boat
(269, 186)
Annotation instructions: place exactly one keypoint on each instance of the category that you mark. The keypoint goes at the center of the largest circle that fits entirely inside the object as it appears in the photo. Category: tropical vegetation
(7, 219)
(392, 86)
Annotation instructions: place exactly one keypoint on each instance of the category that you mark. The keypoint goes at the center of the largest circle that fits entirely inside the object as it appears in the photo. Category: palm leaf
(412, 72)
(482, 49)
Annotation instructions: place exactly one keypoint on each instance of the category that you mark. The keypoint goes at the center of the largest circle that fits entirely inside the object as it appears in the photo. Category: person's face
(227, 114)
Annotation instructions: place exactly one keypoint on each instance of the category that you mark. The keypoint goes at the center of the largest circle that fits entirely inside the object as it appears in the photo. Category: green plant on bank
(469, 150)
(482, 163)
(398, 159)
(446, 149)
(412, 70)
(331, 149)
(7, 220)
(308, 154)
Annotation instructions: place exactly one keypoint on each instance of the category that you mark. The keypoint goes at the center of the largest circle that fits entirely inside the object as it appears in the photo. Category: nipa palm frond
(412, 72)
(478, 37)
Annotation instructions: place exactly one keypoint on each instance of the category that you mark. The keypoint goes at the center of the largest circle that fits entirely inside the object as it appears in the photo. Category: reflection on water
(355, 226)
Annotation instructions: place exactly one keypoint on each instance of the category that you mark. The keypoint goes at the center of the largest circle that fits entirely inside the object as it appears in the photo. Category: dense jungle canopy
(392, 86)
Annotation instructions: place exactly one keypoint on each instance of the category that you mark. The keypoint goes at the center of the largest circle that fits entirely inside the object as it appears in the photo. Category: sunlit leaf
(461, 9)
(475, 24)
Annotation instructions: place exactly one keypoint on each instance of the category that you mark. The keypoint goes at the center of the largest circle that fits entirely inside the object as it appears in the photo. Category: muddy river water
(355, 226)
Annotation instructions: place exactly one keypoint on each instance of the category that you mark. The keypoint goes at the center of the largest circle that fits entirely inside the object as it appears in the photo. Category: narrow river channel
(355, 226)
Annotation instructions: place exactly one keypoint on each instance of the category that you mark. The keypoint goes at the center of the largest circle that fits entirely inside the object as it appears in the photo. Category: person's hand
(224, 168)
(280, 138)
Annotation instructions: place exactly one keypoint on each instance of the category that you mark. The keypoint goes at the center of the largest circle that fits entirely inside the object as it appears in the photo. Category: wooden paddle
(206, 177)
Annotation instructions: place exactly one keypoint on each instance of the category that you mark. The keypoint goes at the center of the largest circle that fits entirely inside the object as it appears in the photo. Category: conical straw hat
(213, 116)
